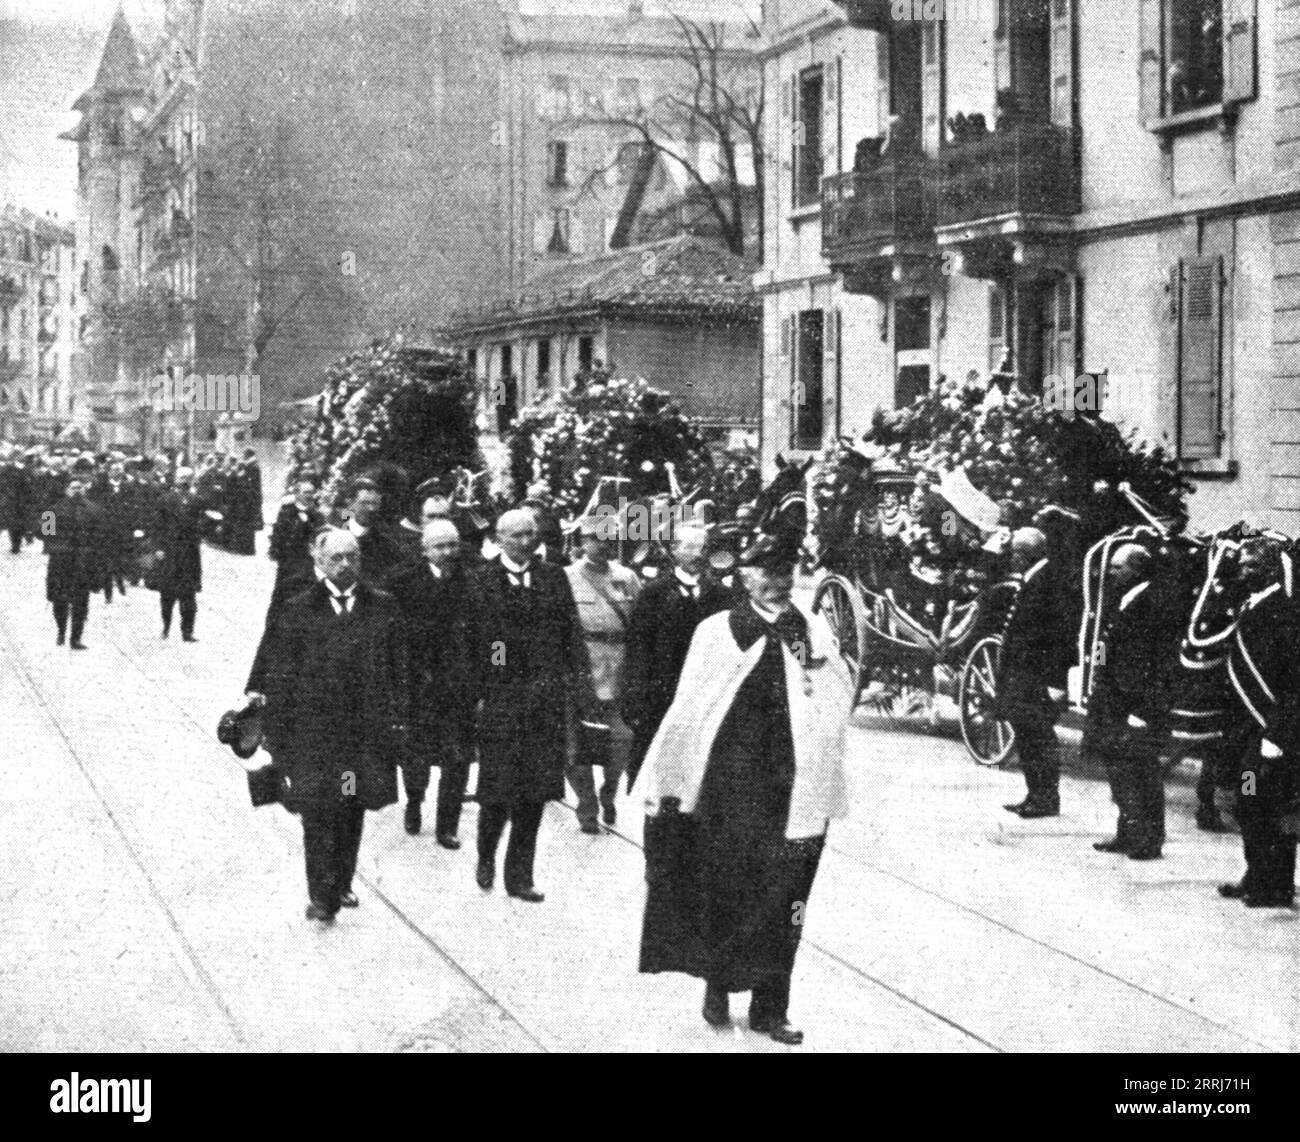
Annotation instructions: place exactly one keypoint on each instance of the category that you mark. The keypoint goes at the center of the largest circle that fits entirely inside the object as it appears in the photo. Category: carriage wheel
(988, 739)
(839, 601)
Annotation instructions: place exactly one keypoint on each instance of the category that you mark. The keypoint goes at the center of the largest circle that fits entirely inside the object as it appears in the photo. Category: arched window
(111, 264)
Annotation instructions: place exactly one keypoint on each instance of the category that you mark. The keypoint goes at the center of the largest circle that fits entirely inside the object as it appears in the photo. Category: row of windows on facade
(564, 167)
(1035, 331)
(503, 389)
(1187, 64)
(563, 97)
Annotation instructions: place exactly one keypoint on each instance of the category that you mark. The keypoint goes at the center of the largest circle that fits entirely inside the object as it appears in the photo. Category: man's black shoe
(317, 912)
(1114, 845)
(63, 638)
(485, 874)
(166, 631)
(778, 1028)
(188, 638)
(413, 818)
(77, 645)
(1033, 809)
(591, 827)
(1146, 852)
(1269, 900)
(1232, 891)
(529, 894)
(448, 841)
(717, 1008)
(610, 813)
(1017, 806)
(349, 900)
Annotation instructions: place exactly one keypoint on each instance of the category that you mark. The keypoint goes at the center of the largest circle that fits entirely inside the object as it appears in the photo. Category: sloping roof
(119, 67)
(679, 274)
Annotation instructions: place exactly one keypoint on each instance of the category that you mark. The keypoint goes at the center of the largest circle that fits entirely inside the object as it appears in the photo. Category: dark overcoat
(291, 538)
(15, 491)
(76, 547)
(659, 632)
(337, 695)
(178, 534)
(528, 663)
(1037, 647)
(435, 622)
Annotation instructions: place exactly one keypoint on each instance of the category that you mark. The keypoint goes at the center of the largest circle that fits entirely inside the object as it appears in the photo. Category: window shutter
(1064, 363)
(997, 325)
(1200, 356)
(1078, 325)
(884, 83)
(1238, 50)
(1062, 62)
(831, 369)
(1002, 47)
(1151, 87)
(932, 85)
(830, 118)
(796, 140)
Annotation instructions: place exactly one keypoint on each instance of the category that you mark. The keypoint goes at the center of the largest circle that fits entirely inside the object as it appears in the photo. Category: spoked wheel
(841, 604)
(988, 739)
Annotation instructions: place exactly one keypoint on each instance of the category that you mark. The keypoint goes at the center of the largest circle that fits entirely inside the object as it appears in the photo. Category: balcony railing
(890, 201)
(1026, 169)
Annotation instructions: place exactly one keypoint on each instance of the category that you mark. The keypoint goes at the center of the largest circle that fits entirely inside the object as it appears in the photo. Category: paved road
(146, 906)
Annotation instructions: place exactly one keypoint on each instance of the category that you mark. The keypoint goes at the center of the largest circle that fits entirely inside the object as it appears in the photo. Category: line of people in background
(120, 519)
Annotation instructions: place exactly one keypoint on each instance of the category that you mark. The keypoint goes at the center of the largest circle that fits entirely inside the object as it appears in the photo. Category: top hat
(82, 467)
(241, 730)
(772, 551)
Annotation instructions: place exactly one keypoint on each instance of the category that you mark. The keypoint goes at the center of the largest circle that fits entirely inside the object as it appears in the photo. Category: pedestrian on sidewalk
(76, 537)
(177, 573)
(431, 594)
(741, 782)
(337, 694)
(529, 669)
(605, 592)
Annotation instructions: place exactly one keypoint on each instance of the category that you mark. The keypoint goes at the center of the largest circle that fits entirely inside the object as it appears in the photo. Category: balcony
(1005, 199)
(879, 222)
(10, 291)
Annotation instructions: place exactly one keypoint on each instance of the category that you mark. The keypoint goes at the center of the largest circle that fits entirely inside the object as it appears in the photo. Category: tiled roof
(678, 274)
(119, 67)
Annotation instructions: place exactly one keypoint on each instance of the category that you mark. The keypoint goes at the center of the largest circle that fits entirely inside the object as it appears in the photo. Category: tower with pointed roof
(107, 161)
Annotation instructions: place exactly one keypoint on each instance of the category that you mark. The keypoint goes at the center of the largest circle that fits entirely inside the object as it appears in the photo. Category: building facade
(37, 285)
(679, 313)
(1058, 187)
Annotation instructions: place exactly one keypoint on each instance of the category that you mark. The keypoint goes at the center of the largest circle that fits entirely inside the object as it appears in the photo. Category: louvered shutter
(1200, 361)
(831, 369)
(997, 325)
(884, 83)
(1239, 50)
(1002, 46)
(932, 85)
(1062, 62)
(1151, 87)
(830, 120)
(796, 141)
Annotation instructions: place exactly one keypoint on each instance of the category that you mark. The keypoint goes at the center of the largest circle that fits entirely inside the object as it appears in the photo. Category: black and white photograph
(651, 527)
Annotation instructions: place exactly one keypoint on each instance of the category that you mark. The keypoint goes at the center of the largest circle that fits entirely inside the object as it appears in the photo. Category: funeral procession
(676, 526)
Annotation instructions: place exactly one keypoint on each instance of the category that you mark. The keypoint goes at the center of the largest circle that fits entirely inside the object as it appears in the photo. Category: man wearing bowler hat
(741, 782)
(334, 668)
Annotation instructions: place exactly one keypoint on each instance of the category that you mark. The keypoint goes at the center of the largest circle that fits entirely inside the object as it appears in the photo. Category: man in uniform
(605, 592)
(1128, 708)
(431, 595)
(663, 621)
(1265, 673)
(528, 667)
(1032, 643)
(336, 694)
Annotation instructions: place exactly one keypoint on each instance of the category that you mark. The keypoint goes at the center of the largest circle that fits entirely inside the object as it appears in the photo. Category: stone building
(1066, 186)
(680, 313)
(36, 327)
